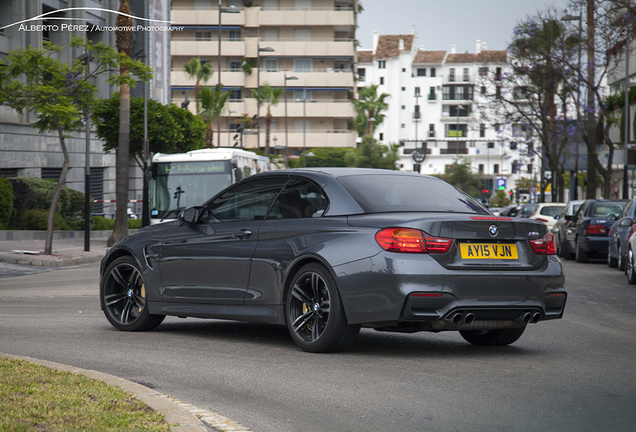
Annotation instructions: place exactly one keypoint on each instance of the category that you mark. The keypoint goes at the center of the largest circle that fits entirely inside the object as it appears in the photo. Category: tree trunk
(48, 243)
(590, 135)
(122, 168)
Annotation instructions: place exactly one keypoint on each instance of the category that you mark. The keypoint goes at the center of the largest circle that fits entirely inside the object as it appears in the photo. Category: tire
(629, 267)
(612, 261)
(565, 251)
(581, 256)
(498, 337)
(123, 297)
(621, 260)
(314, 312)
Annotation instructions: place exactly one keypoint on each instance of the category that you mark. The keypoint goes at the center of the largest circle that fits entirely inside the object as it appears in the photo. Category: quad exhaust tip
(462, 318)
(529, 317)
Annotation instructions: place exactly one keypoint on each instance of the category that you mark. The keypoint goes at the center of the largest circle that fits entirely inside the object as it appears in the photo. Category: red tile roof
(429, 57)
(389, 45)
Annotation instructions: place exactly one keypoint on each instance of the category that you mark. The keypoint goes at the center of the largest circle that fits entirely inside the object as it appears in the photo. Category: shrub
(134, 223)
(99, 223)
(37, 219)
(6, 203)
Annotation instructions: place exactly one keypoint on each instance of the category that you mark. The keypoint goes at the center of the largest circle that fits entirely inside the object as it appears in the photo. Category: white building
(434, 108)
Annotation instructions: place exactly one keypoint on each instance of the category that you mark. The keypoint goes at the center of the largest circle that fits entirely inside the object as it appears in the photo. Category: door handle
(242, 234)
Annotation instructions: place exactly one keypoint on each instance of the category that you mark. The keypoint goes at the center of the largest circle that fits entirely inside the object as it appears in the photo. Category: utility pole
(590, 111)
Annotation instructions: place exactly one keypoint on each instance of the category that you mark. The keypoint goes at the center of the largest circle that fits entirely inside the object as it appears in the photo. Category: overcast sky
(442, 23)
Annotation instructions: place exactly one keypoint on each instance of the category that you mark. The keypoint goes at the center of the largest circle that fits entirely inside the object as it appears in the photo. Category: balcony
(314, 17)
(338, 108)
(314, 78)
(188, 15)
(312, 48)
(230, 78)
(432, 97)
(191, 48)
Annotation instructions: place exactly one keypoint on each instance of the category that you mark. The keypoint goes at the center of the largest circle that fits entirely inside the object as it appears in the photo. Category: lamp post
(574, 183)
(87, 169)
(626, 121)
(231, 9)
(286, 128)
(258, 91)
(304, 125)
(417, 111)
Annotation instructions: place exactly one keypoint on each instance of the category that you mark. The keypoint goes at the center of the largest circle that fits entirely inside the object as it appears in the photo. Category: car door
(573, 226)
(209, 262)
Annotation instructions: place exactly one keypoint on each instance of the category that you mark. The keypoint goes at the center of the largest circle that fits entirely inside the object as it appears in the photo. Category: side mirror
(191, 215)
(557, 217)
(627, 222)
(611, 217)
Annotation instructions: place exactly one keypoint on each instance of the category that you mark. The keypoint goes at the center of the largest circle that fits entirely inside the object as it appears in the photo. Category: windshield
(177, 185)
(392, 193)
(527, 210)
(603, 209)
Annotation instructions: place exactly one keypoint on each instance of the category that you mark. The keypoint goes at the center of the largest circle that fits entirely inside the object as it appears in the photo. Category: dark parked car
(588, 232)
(327, 251)
(618, 236)
(560, 227)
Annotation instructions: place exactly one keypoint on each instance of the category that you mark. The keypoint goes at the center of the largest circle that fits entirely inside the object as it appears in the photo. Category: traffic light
(511, 195)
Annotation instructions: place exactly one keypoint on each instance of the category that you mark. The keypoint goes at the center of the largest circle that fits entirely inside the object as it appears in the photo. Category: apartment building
(304, 46)
(435, 109)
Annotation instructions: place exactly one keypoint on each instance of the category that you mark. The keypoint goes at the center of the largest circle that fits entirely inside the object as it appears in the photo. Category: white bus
(187, 179)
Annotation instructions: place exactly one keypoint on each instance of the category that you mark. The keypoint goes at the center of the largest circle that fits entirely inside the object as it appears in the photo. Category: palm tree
(213, 101)
(369, 107)
(199, 72)
(268, 95)
(124, 40)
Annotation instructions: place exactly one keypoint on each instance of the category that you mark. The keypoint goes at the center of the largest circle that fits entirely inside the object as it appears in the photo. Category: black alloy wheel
(314, 312)
(497, 337)
(123, 297)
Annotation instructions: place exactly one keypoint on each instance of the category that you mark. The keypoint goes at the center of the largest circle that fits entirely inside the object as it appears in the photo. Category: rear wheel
(498, 337)
(581, 255)
(629, 269)
(123, 297)
(611, 261)
(314, 312)
(621, 260)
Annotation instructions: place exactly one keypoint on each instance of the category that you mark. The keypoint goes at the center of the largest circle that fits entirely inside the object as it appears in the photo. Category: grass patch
(37, 398)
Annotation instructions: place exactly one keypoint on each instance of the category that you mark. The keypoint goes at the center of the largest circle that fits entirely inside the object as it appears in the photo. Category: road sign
(501, 183)
(418, 157)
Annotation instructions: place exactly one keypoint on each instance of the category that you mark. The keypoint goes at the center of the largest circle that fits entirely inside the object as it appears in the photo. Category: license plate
(488, 251)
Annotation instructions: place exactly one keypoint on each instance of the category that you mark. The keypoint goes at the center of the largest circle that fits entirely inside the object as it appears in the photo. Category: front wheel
(630, 271)
(123, 297)
(497, 337)
(314, 312)
(581, 255)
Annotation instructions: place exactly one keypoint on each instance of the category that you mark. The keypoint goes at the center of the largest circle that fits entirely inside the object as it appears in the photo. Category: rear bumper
(379, 290)
(594, 244)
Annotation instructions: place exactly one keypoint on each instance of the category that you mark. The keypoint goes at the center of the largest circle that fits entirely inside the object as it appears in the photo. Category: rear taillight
(411, 240)
(542, 220)
(544, 246)
(595, 229)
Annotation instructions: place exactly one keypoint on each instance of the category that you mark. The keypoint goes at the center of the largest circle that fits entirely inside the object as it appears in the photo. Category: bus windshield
(177, 185)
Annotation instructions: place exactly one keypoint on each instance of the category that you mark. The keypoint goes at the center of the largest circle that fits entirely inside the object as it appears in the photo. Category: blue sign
(501, 183)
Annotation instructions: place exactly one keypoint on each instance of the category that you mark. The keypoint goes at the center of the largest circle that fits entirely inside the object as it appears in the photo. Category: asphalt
(23, 254)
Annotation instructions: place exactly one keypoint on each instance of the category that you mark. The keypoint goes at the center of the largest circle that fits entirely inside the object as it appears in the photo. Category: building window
(433, 72)
(431, 93)
(421, 71)
(403, 107)
(380, 136)
(466, 75)
(299, 95)
(456, 131)
(456, 111)
(235, 66)
(491, 145)
(235, 35)
(302, 65)
(417, 91)
(498, 74)
(403, 69)
(202, 36)
(236, 95)
(482, 130)
(483, 71)
(529, 168)
(513, 145)
(403, 125)
(416, 114)
(498, 92)
(271, 65)
(362, 74)
(381, 64)
(431, 130)
(481, 168)
(495, 169)
(451, 74)
(381, 80)
(403, 88)
(483, 90)
(51, 173)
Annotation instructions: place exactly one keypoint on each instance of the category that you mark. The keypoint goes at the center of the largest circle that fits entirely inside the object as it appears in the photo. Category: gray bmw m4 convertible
(327, 251)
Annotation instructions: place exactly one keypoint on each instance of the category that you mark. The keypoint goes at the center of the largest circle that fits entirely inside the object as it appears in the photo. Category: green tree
(460, 174)
(199, 72)
(213, 101)
(171, 129)
(371, 154)
(6, 203)
(58, 94)
(323, 157)
(370, 107)
(269, 96)
(500, 199)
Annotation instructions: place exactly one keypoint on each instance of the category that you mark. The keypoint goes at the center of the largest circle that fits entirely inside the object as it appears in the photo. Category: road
(575, 374)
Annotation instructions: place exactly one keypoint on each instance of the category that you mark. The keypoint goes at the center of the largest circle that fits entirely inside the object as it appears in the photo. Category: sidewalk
(66, 252)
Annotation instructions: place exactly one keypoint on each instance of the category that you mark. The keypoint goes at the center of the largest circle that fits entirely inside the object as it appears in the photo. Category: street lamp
(574, 183)
(304, 125)
(258, 90)
(231, 9)
(87, 169)
(286, 128)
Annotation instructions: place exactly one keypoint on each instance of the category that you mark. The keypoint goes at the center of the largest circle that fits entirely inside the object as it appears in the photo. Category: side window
(246, 201)
(626, 210)
(299, 199)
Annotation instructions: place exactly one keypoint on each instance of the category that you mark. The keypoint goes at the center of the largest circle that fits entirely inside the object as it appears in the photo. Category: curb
(62, 262)
(186, 417)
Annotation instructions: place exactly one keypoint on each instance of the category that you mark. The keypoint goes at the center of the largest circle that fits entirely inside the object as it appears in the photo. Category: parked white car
(544, 212)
